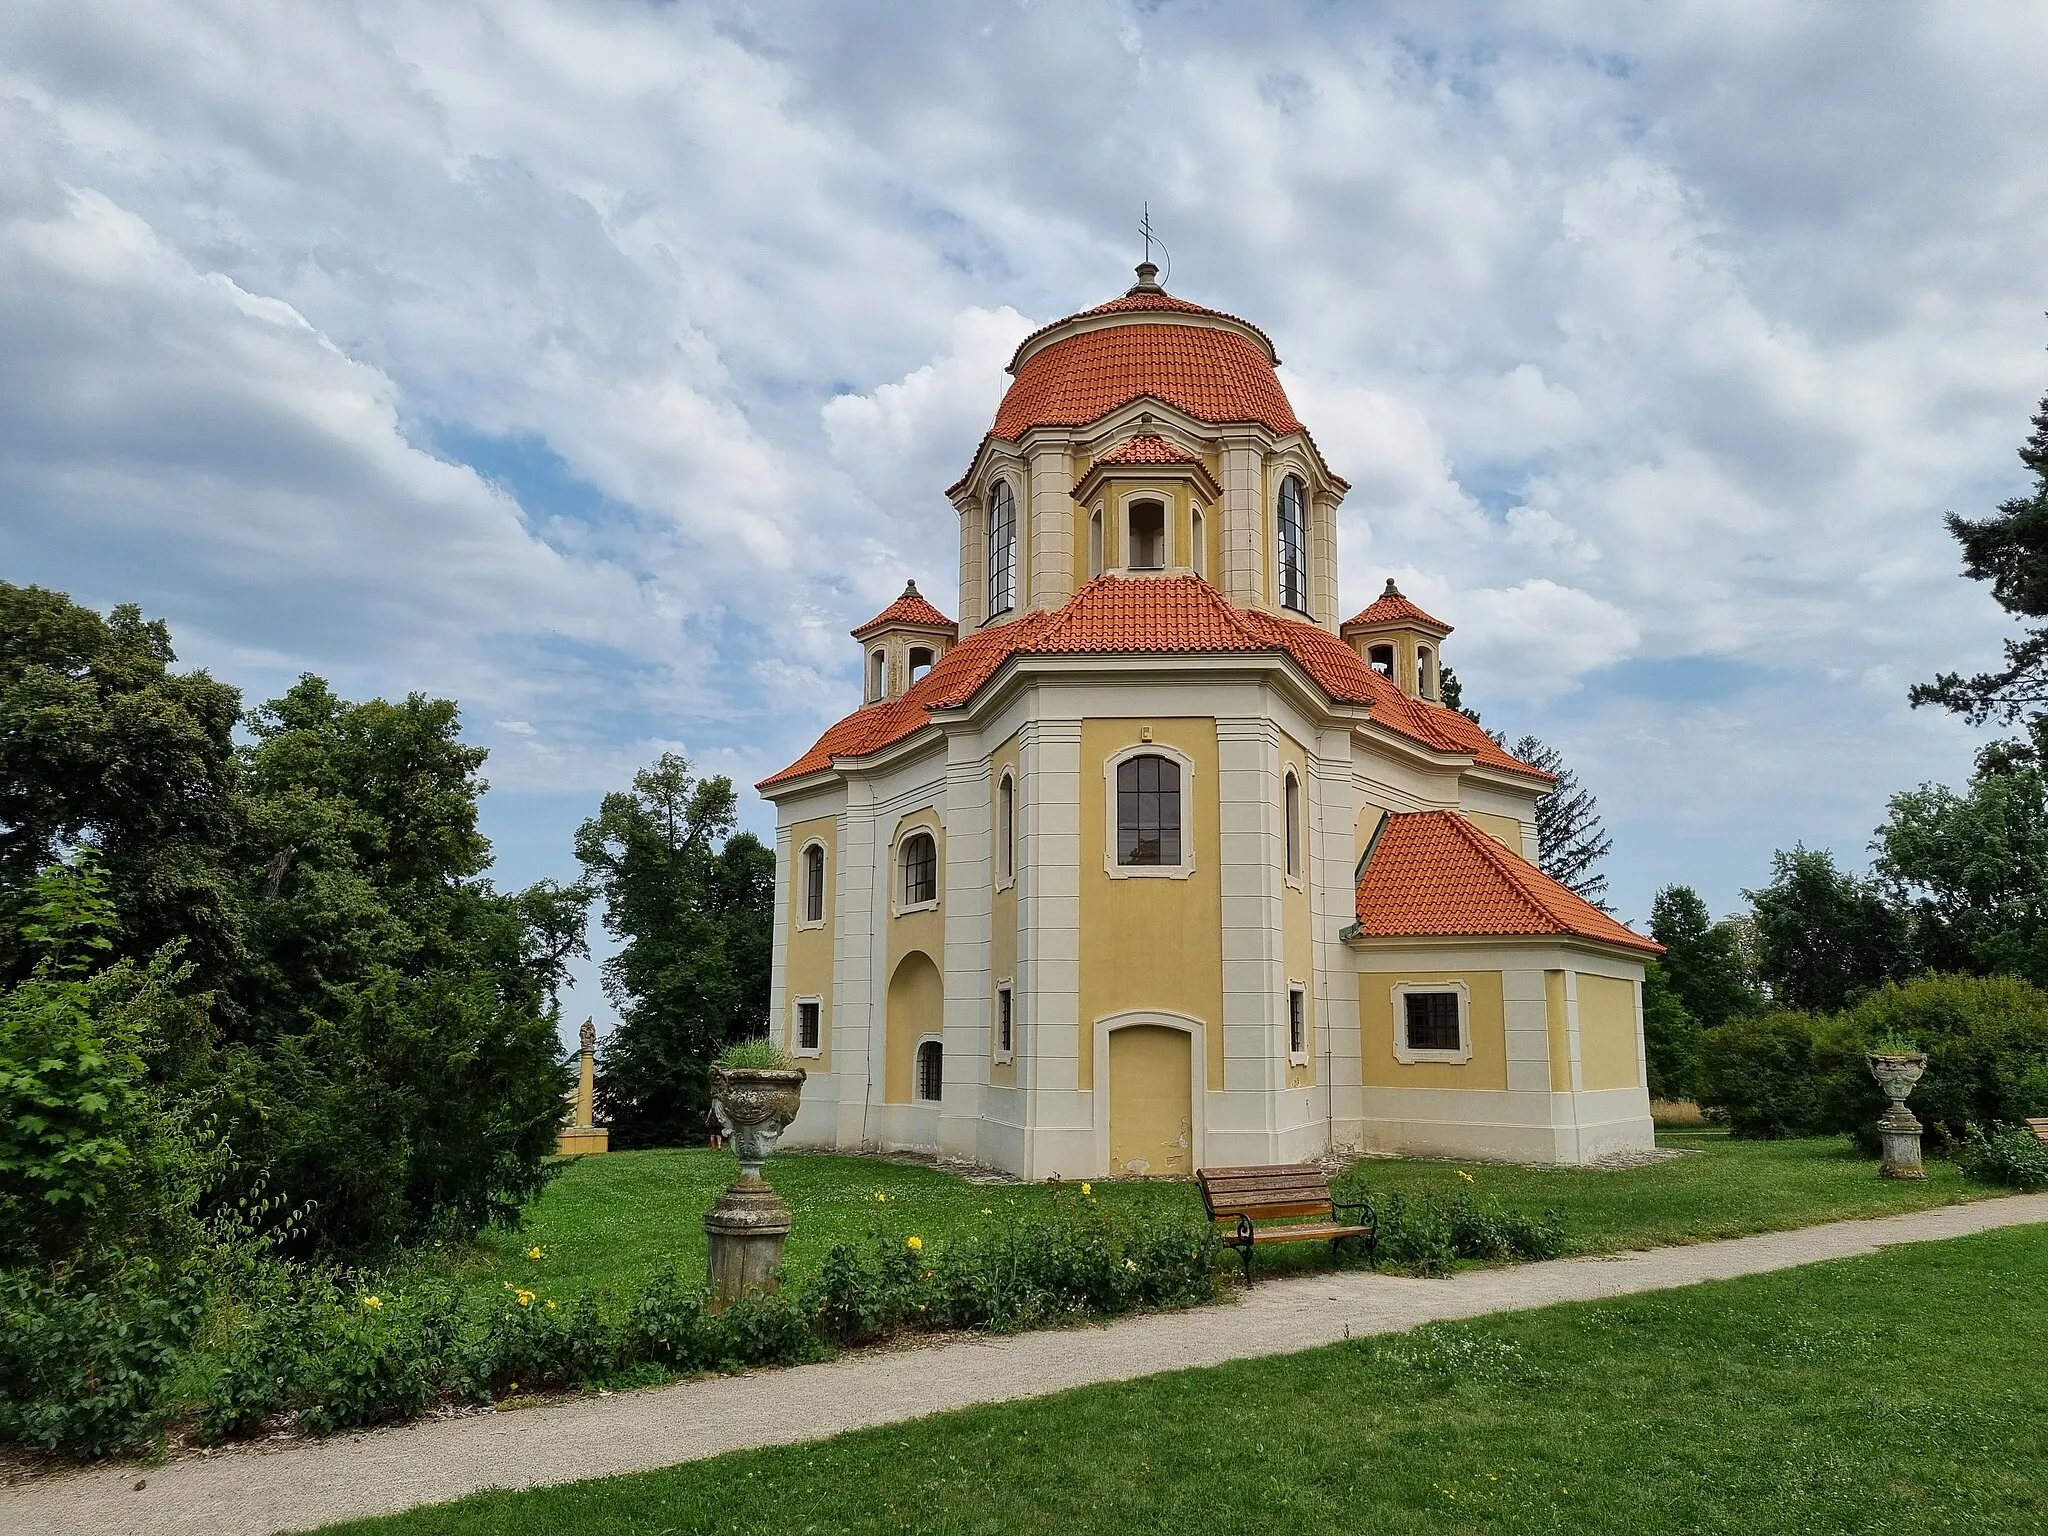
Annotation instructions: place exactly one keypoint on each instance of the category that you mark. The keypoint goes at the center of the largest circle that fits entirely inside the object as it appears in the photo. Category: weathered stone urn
(1897, 1129)
(749, 1224)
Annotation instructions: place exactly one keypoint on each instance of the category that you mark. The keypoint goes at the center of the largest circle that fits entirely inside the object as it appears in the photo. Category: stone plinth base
(583, 1141)
(747, 1228)
(1899, 1134)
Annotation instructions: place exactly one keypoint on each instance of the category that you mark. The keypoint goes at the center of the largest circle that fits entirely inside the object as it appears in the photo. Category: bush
(1429, 1233)
(2010, 1154)
(1768, 1073)
(87, 1360)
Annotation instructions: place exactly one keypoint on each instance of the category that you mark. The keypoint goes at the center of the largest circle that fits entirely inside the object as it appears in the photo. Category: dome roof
(1214, 366)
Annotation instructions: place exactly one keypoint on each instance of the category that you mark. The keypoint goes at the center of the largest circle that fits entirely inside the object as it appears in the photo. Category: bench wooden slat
(2040, 1130)
(1281, 1194)
(1319, 1233)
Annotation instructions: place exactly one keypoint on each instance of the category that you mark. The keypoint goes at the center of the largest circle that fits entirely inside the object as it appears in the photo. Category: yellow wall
(808, 965)
(1488, 1067)
(1149, 941)
(1294, 912)
(919, 933)
(1504, 830)
(1607, 1032)
(1151, 1118)
(917, 1007)
(1003, 920)
(1560, 1037)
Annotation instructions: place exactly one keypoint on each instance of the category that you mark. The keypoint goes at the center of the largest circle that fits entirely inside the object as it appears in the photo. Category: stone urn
(750, 1223)
(1897, 1129)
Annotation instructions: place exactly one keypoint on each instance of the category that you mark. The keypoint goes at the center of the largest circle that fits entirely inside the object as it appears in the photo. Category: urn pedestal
(749, 1224)
(1898, 1131)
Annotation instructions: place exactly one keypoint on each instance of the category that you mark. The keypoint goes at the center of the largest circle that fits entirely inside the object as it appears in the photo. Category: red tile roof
(1147, 448)
(1139, 300)
(1433, 874)
(1390, 607)
(1163, 615)
(1212, 375)
(911, 608)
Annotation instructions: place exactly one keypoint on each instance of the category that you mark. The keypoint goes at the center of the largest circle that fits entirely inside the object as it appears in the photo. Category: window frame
(1292, 829)
(917, 1094)
(915, 671)
(1426, 672)
(1096, 550)
(1409, 1055)
(900, 903)
(1002, 553)
(1299, 566)
(797, 1005)
(803, 862)
(1110, 765)
(1393, 672)
(878, 675)
(1198, 552)
(1006, 829)
(1131, 504)
(1297, 1023)
(1004, 997)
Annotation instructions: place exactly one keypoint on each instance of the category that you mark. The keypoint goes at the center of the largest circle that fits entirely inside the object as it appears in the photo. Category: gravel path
(303, 1484)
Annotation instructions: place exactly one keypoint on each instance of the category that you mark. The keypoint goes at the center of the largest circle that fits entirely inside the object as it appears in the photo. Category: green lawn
(613, 1221)
(1902, 1393)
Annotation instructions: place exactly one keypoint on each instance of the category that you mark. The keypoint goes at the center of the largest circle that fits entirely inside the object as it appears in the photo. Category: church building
(1150, 861)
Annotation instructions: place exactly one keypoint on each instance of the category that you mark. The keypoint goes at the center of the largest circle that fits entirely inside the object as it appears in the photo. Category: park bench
(1283, 1203)
(2040, 1130)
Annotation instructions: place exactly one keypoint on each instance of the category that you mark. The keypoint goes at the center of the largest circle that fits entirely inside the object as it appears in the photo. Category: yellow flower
(1087, 1189)
(1466, 1177)
(533, 1253)
(986, 1211)
(880, 1195)
(524, 1298)
(914, 1243)
(551, 1305)
(372, 1302)
(1131, 1265)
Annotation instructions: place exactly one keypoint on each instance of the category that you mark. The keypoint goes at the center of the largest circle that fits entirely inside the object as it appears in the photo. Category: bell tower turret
(1401, 643)
(902, 643)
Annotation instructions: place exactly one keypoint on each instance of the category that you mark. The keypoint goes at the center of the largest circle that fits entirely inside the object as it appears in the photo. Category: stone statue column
(581, 1138)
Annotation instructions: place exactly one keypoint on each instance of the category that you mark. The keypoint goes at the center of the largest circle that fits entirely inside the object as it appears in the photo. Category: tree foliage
(2009, 550)
(1825, 937)
(1703, 959)
(691, 901)
(1569, 838)
(1671, 1037)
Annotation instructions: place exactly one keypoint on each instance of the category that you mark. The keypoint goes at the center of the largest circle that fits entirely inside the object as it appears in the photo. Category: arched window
(814, 884)
(1293, 546)
(1095, 543)
(1293, 809)
(878, 673)
(1425, 672)
(931, 1070)
(1199, 555)
(920, 869)
(1002, 549)
(1381, 659)
(1147, 551)
(920, 662)
(1148, 810)
(1006, 828)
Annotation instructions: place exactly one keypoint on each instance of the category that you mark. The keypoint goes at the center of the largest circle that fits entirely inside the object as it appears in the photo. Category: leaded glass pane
(1148, 811)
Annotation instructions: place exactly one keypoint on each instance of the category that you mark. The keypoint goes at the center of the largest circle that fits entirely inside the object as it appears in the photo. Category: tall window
(1148, 536)
(878, 671)
(1293, 547)
(1297, 1023)
(1006, 828)
(807, 1031)
(1432, 1021)
(1425, 672)
(920, 869)
(931, 1074)
(1006, 1029)
(1148, 810)
(1293, 809)
(1002, 549)
(1199, 555)
(1381, 659)
(1095, 543)
(814, 884)
(920, 662)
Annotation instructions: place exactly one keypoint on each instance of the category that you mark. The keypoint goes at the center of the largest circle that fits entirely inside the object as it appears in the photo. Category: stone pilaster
(1253, 940)
(1243, 514)
(1049, 943)
(969, 880)
(1053, 513)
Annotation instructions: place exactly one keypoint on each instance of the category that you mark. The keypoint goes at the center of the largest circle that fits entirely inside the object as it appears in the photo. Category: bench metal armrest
(1372, 1217)
(1244, 1231)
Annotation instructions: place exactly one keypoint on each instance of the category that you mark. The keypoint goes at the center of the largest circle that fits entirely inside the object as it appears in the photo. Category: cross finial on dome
(1148, 279)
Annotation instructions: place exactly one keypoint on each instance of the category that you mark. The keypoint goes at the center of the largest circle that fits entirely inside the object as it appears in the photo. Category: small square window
(1432, 1021)
(809, 1032)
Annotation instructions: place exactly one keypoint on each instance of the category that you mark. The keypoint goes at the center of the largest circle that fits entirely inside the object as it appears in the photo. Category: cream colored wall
(810, 949)
(1504, 830)
(1003, 915)
(1148, 941)
(1487, 1017)
(1607, 1032)
(1296, 922)
(912, 933)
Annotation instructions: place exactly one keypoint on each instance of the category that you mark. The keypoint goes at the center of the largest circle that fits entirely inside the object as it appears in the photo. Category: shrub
(2010, 1154)
(760, 1054)
(87, 1360)
(1986, 1039)
(1767, 1073)
(1429, 1233)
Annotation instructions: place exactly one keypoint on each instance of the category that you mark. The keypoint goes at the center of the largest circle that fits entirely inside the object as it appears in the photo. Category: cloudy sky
(599, 364)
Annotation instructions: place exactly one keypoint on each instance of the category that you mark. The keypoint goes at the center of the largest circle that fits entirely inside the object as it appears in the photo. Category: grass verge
(1900, 1393)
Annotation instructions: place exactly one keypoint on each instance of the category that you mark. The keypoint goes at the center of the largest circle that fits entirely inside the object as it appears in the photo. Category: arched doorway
(1151, 1109)
(917, 1008)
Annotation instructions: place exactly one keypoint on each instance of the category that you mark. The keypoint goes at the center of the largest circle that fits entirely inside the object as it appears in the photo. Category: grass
(611, 1222)
(1901, 1393)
